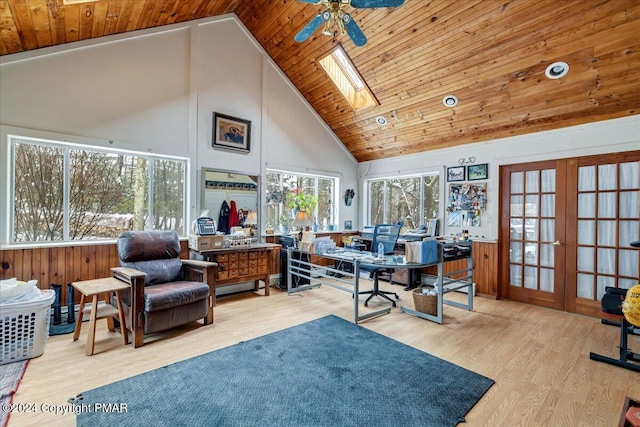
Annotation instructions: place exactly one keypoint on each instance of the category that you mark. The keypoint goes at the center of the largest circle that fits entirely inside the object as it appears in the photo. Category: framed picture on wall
(455, 173)
(348, 225)
(231, 133)
(476, 172)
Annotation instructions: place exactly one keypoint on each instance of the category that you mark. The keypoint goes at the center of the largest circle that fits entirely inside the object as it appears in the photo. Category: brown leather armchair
(166, 291)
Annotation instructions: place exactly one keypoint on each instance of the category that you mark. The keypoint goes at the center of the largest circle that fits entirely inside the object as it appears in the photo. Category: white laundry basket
(24, 328)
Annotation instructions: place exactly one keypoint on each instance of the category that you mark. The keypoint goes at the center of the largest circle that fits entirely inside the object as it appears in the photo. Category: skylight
(345, 76)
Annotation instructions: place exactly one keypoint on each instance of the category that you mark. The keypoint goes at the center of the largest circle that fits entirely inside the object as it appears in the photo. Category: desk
(93, 289)
(242, 264)
(446, 283)
(348, 281)
(365, 240)
(318, 275)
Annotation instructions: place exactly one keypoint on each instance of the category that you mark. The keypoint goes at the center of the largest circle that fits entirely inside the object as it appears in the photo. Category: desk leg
(121, 318)
(76, 331)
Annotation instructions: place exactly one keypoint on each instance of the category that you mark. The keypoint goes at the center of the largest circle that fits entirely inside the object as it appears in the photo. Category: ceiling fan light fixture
(557, 70)
(381, 121)
(450, 101)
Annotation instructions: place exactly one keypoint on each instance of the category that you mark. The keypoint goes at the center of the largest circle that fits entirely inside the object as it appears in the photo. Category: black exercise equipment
(612, 306)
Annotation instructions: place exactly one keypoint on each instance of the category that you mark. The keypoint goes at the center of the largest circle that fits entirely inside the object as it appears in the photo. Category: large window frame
(379, 199)
(150, 166)
(325, 188)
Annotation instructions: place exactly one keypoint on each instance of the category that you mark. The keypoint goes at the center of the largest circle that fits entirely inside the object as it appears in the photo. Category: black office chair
(612, 306)
(387, 234)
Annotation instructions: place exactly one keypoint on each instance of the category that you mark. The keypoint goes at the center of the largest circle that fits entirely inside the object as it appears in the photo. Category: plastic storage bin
(25, 328)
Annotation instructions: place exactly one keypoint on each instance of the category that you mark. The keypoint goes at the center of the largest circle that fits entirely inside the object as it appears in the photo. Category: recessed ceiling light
(557, 70)
(381, 121)
(450, 101)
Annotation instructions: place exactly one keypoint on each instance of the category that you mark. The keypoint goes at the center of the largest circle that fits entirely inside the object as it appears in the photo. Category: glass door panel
(569, 224)
(532, 214)
(607, 218)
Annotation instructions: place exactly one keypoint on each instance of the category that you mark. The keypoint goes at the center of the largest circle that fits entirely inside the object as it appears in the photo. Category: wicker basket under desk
(427, 304)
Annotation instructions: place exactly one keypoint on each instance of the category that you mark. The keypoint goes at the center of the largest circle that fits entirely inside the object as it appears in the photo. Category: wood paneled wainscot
(485, 268)
(64, 264)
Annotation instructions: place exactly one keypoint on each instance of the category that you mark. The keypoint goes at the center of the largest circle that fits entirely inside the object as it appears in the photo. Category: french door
(567, 225)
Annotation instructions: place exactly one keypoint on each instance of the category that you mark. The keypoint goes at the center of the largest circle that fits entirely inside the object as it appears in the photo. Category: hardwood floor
(538, 357)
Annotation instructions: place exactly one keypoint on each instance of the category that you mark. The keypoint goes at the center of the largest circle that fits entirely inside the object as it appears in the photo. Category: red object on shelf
(633, 416)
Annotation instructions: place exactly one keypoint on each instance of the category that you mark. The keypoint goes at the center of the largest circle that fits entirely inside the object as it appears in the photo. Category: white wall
(609, 136)
(156, 90)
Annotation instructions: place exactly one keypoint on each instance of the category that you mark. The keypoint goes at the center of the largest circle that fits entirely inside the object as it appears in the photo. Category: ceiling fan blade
(313, 25)
(354, 31)
(361, 4)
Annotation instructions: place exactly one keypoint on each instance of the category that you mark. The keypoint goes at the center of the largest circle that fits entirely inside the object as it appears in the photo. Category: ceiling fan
(335, 12)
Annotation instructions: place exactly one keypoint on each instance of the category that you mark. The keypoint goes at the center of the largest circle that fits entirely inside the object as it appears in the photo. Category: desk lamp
(252, 221)
(303, 221)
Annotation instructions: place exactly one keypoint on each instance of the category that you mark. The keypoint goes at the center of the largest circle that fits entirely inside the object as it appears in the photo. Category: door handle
(557, 243)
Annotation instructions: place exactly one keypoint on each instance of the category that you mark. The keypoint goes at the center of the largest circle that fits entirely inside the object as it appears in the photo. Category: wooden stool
(94, 288)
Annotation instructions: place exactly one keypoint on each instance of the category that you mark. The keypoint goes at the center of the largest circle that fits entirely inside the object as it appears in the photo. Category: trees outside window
(410, 200)
(280, 184)
(63, 192)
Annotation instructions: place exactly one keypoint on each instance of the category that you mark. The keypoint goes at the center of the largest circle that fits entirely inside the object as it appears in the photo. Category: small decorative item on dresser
(237, 240)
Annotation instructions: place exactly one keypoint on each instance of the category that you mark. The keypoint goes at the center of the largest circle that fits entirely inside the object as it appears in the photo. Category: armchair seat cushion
(169, 295)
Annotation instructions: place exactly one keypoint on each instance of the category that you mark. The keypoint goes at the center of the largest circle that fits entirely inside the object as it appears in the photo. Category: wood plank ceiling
(491, 54)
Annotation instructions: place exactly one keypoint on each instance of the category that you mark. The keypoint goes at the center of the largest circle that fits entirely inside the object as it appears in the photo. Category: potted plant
(285, 222)
(301, 202)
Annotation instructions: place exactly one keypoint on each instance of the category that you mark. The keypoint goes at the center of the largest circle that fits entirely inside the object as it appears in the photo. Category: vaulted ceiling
(492, 55)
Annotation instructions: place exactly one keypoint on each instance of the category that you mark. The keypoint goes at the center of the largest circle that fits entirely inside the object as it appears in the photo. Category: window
(279, 184)
(66, 192)
(410, 200)
(344, 75)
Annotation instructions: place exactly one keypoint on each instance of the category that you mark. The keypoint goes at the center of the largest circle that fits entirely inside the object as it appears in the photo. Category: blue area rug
(327, 372)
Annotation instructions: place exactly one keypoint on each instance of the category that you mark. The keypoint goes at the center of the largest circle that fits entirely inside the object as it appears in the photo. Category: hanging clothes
(223, 218)
(234, 221)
